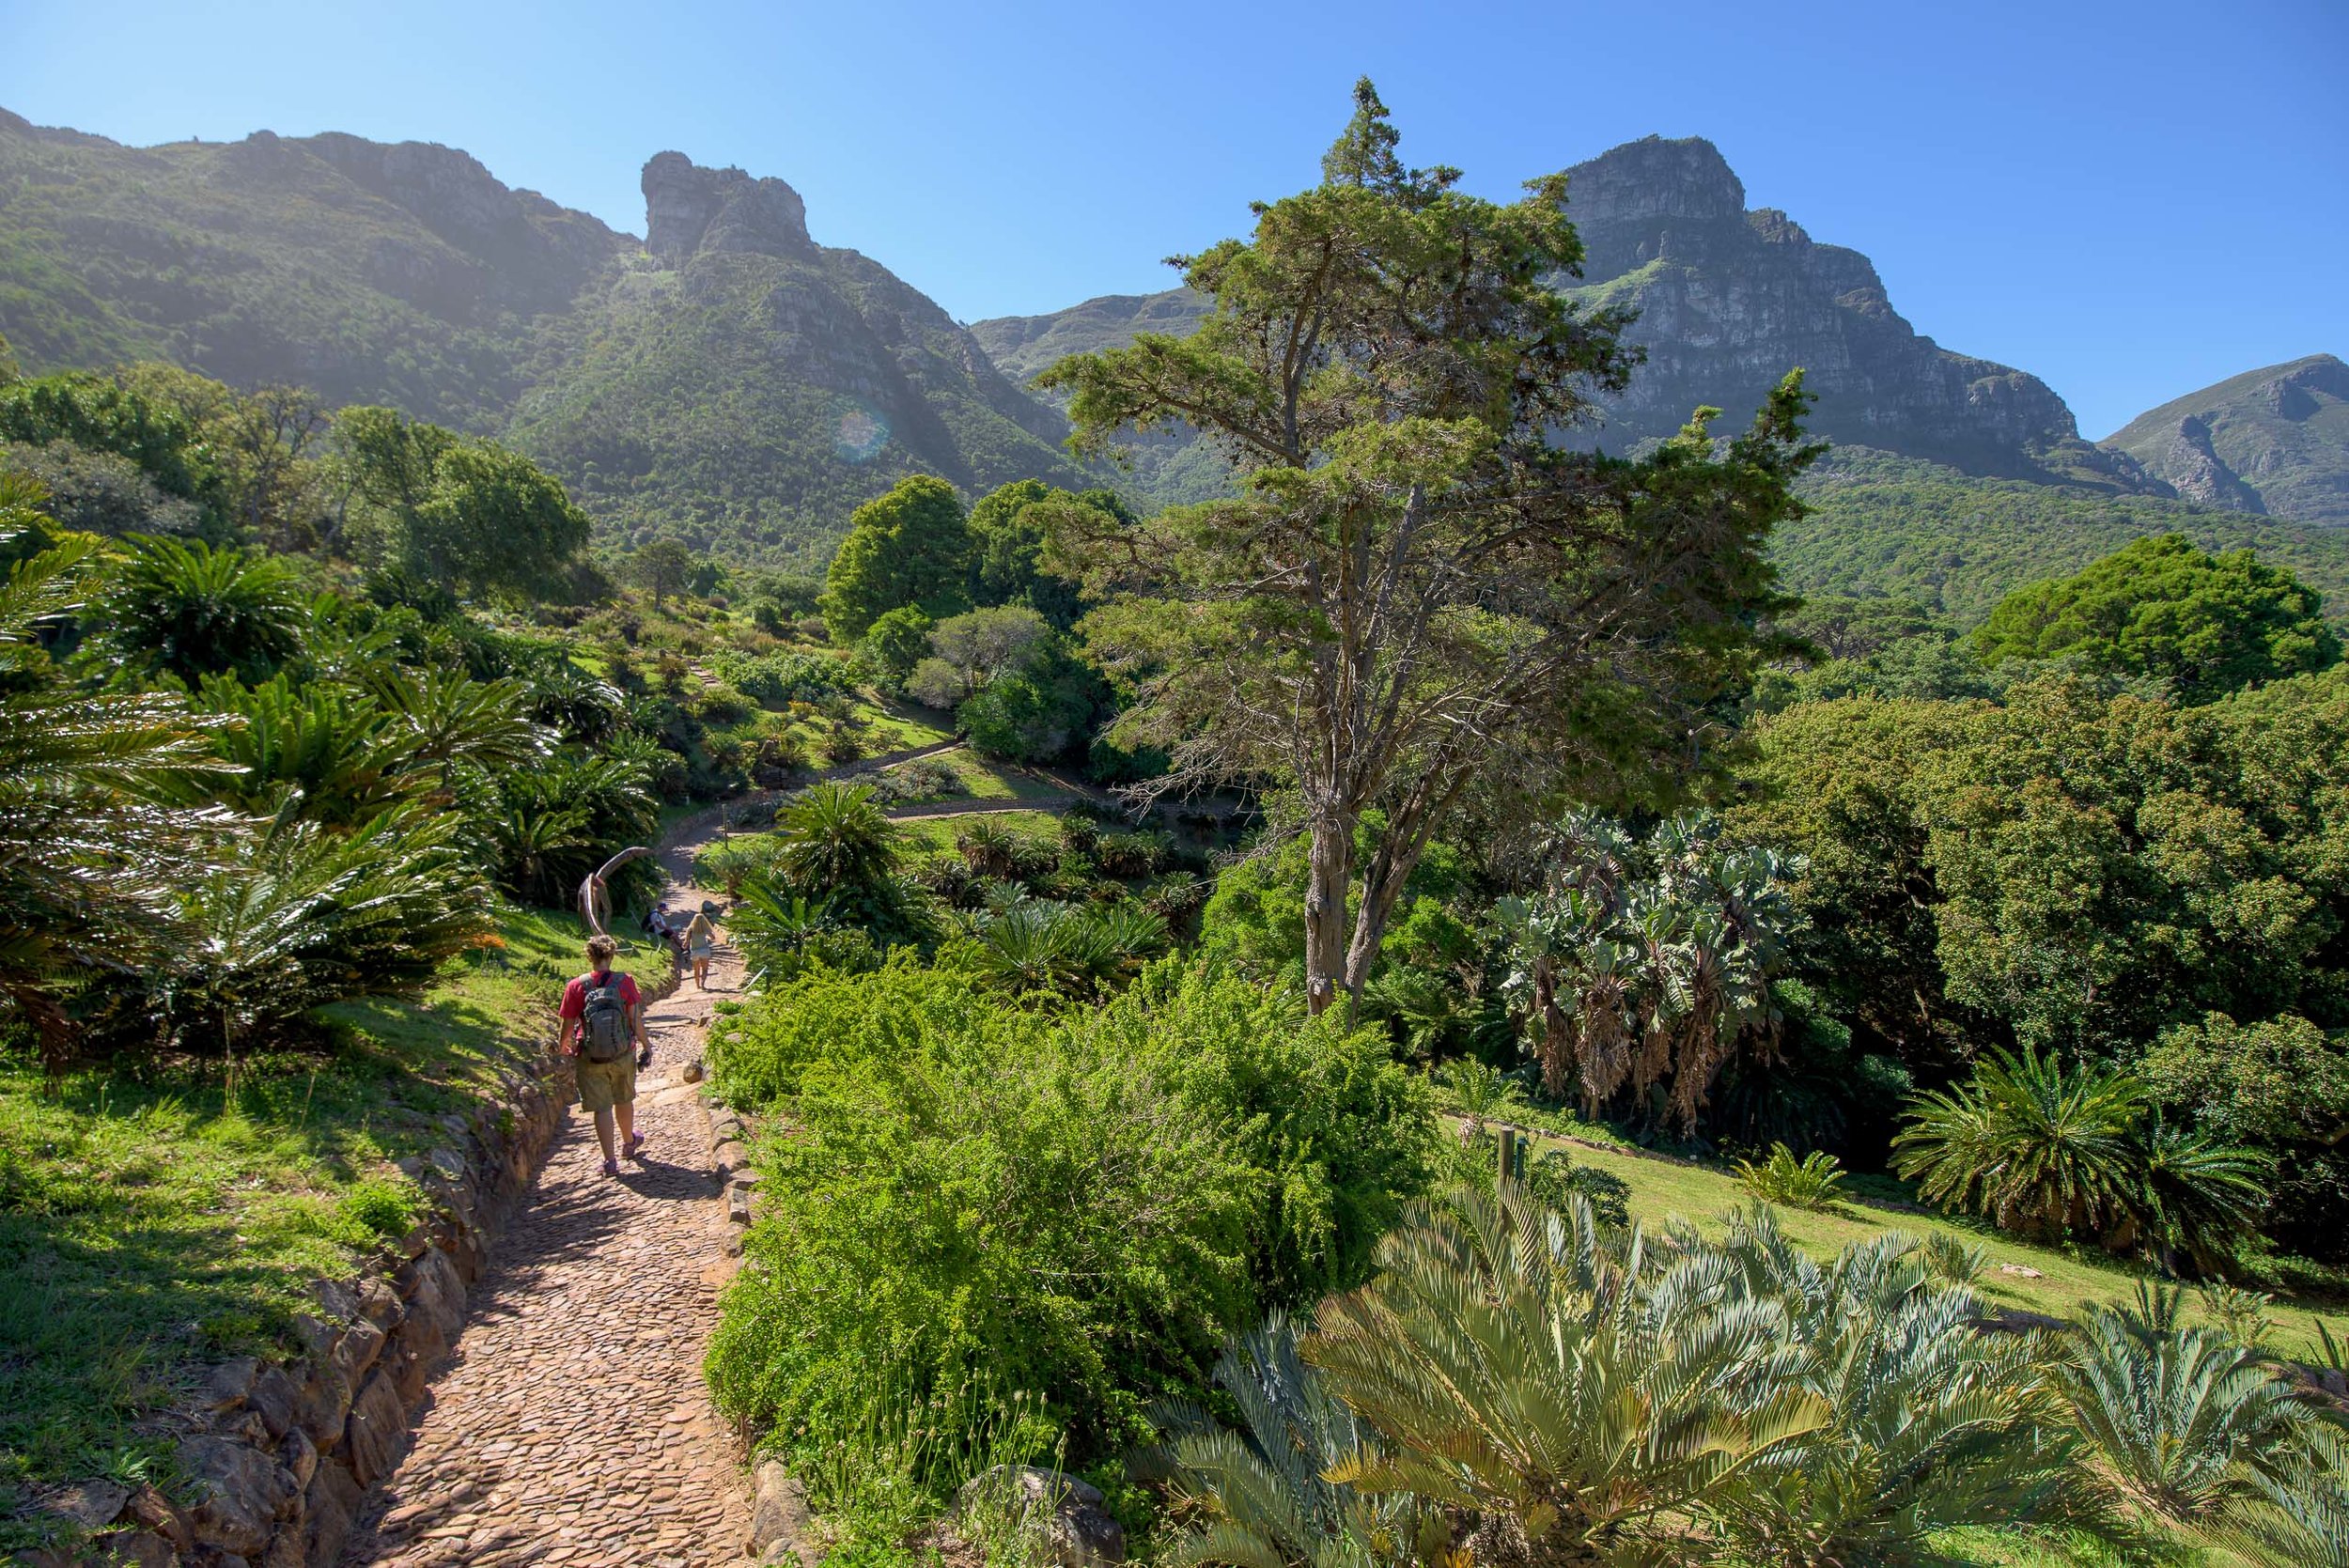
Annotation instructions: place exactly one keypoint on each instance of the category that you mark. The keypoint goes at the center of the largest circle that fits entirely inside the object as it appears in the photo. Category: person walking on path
(701, 941)
(603, 1028)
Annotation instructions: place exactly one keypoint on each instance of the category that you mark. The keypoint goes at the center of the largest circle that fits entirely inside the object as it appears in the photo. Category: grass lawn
(920, 835)
(148, 1227)
(896, 726)
(2067, 1285)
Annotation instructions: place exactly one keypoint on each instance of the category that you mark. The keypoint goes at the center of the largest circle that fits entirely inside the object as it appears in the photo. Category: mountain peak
(2274, 440)
(689, 208)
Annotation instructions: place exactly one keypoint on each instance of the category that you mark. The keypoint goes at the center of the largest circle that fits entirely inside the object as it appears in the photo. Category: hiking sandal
(634, 1147)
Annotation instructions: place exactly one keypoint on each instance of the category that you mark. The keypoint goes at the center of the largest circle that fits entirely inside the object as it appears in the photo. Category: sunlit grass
(149, 1225)
(2066, 1285)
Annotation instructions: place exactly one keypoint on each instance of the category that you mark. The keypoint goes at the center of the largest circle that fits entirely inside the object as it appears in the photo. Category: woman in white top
(701, 940)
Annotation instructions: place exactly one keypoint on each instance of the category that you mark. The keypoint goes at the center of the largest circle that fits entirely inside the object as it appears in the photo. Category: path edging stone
(281, 1455)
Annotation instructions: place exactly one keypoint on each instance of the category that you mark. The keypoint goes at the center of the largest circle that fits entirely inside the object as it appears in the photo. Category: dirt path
(573, 1427)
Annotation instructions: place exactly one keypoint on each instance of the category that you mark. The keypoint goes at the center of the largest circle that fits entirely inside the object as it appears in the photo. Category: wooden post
(1508, 1142)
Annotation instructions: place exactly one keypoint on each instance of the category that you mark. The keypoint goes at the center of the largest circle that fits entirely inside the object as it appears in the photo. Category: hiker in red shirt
(603, 1027)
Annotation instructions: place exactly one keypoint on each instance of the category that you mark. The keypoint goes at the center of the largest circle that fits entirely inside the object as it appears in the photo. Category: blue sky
(2130, 199)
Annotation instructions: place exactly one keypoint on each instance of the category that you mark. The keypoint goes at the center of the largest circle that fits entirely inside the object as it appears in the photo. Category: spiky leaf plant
(1574, 1395)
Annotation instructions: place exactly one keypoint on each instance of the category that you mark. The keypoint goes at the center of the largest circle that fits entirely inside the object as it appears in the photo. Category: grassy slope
(1662, 1189)
(145, 1228)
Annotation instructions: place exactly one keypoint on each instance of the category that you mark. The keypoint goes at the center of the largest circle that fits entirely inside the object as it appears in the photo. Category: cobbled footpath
(574, 1427)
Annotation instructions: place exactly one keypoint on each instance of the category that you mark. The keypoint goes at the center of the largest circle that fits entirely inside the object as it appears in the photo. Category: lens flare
(858, 433)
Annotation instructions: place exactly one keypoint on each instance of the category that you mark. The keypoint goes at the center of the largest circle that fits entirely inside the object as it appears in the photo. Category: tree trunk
(1330, 870)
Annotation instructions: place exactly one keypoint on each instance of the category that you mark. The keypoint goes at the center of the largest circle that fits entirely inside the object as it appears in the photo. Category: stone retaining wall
(279, 1455)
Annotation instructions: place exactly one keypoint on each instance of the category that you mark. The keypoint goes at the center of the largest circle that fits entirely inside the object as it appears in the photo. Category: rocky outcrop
(1024, 346)
(2193, 468)
(1066, 1520)
(2274, 441)
(689, 209)
(814, 379)
(1728, 300)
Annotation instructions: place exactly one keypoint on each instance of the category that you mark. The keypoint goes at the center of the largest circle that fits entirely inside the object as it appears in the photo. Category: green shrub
(1814, 1182)
(384, 1207)
(1076, 1209)
(1554, 1178)
(776, 680)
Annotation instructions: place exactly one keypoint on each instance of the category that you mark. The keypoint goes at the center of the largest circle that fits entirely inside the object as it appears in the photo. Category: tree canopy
(453, 509)
(2207, 624)
(907, 547)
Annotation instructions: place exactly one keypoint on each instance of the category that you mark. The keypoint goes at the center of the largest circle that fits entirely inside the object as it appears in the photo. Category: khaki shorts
(605, 1085)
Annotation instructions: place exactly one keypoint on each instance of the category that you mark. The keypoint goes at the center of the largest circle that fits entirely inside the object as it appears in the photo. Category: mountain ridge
(2274, 441)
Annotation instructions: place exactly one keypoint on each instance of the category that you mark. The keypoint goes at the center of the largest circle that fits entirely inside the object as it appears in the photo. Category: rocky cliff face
(689, 208)
(2273, 441)
(398, 273)
(1729, 300)
(727, 379)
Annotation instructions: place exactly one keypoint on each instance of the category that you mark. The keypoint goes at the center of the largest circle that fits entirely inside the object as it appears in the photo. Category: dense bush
(778, 679)
(1078, 1209)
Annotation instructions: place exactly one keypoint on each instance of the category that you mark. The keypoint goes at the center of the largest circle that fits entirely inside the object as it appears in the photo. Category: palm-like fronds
(536, 848)
(91, 847)
(335, 755)
(316, 916)
(1576, 1393)
(833, 838)
(1647, 964)
(2185, 1423)
(2199, 1193)
(1932, 1423)
(182, 608)
(451, 718)
(1261, 1497)
(2032, 1147)
(567, 699)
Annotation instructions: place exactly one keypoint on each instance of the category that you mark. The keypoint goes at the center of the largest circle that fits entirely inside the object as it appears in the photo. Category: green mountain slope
(726, 379)
(1022, 346)
(741, 387)
(1882, 523)
(370, 273)
(2273, 441)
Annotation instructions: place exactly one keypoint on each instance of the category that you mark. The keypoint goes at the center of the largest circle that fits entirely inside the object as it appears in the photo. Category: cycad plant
(833, 843)
(2035, 1148)
(535, 848)
(327, 753)
(92, 844)
(182, 608)
(1570, 1395)
(451, 718)
(1261, 1496)
(773, 929)
(2188, 1426)
(2051, 1152)
(1932, 1423)
(311, 916)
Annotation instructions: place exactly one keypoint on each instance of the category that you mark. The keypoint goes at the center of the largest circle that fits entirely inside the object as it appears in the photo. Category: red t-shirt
(575, 995)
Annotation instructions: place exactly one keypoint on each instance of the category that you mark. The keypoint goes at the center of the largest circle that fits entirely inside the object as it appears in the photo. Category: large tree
(1420, 587)
(451, 508)
(2206, 624)
(910, 545)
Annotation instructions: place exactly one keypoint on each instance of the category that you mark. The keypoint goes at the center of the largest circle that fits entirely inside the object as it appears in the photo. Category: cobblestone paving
(573, 1427)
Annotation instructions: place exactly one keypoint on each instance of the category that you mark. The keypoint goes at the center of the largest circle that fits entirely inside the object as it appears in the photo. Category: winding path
(573, 1426)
